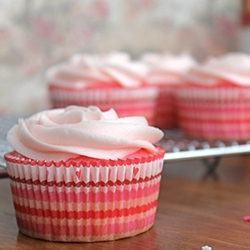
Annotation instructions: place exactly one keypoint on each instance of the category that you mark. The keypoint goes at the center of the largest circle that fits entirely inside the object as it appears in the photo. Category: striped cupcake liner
(222, 113)
(165, 109)
(85, 200)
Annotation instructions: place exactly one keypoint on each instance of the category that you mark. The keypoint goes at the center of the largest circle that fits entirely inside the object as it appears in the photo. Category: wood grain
(194, 210)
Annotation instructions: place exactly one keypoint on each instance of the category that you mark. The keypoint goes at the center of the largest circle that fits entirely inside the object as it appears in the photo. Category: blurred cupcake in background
(214, 103)
(110, 80)
(165, 72)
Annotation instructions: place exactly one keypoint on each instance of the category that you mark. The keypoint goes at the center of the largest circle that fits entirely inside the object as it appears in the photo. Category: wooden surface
(194, 210)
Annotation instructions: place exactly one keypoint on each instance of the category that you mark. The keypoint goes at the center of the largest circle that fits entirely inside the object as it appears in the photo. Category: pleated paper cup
(165, 114)
(139, 101)
(85, 199)
(214, 113)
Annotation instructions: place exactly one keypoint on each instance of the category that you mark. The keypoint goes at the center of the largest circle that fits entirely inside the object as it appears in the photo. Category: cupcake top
(233, 68)
(105, 70)
(166, 68)
(61, 134)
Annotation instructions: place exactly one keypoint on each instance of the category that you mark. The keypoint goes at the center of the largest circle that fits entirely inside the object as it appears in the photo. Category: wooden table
(194, 210)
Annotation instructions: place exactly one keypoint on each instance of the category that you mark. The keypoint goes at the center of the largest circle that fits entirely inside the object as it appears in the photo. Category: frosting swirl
(61, 134)
(166, 68)
(86, 71)
(231, 67)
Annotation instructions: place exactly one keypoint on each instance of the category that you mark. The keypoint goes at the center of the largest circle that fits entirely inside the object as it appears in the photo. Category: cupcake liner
(214, 113)
(165, 110)
(127, 102)
(215, 94)
(85, 200)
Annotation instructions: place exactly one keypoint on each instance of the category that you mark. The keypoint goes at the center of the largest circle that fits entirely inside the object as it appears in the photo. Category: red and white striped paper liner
(214, 113)
(85, 200)
(165, 107)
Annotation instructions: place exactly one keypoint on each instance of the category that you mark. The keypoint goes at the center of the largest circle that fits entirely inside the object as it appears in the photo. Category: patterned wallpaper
(36, 34)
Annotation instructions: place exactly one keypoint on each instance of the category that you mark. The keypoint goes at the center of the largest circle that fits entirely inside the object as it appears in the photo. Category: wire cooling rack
(178, 147)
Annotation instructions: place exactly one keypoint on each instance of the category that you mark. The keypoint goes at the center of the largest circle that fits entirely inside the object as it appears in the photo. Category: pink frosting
(231, 67)
(61, 134)
(85, 70)
(166, 68)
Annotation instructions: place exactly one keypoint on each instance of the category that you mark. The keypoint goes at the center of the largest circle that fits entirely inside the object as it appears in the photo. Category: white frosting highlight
(166, 68)
(85, 70)
(61, 134)
(232, 67)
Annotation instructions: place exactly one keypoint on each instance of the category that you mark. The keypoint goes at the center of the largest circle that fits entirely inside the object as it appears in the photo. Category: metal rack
(178, 147)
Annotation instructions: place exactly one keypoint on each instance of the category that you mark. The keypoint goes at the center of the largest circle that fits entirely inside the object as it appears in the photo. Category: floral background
(37, 34)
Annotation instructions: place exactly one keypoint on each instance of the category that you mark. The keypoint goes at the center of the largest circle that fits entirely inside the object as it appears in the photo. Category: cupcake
(214, 103)
(165, 72)
(110, 80)
(81, 175)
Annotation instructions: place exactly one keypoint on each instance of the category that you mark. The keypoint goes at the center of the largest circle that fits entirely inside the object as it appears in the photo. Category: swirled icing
(166, 68)
(231, 67)
(61, 134)
(86, 71)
